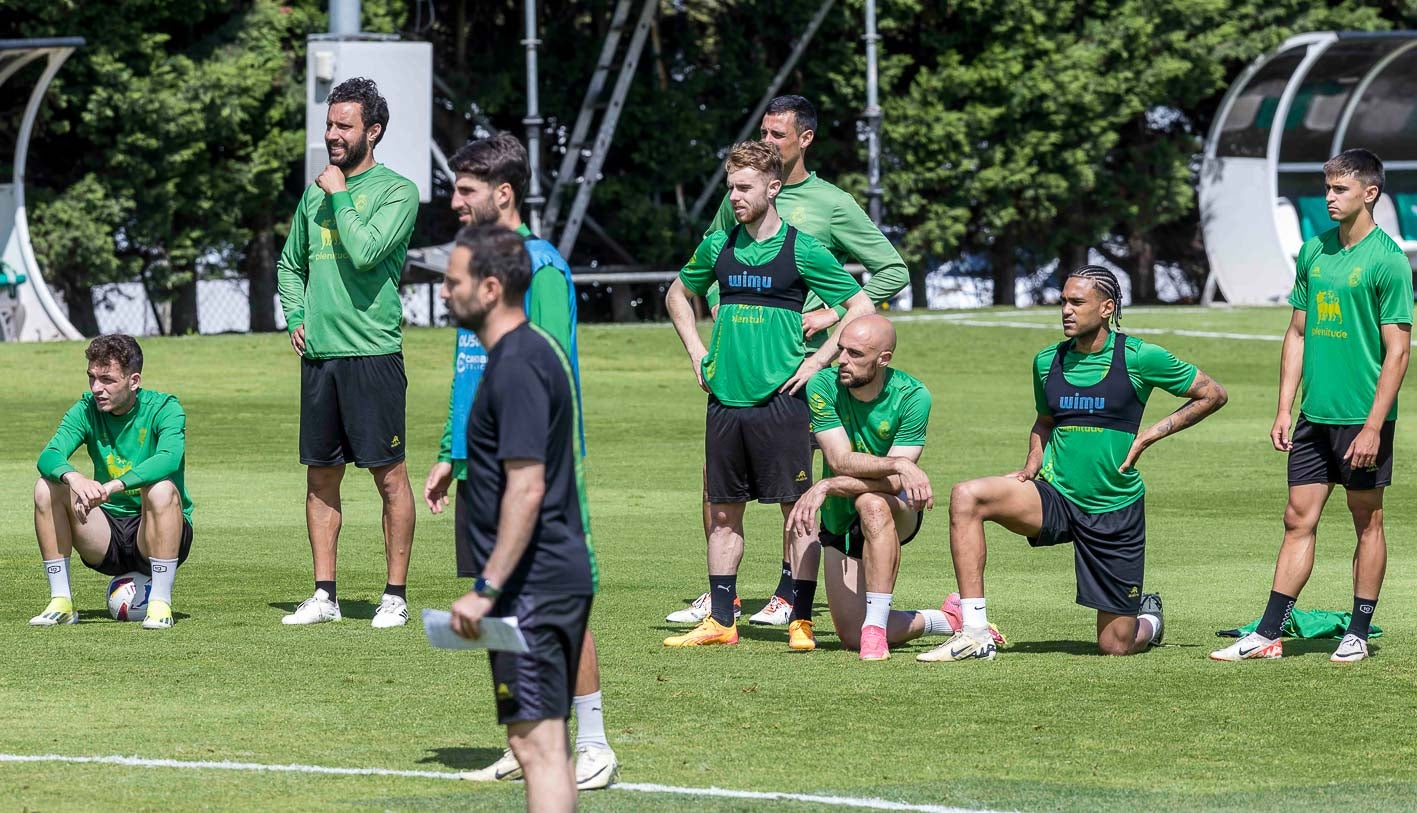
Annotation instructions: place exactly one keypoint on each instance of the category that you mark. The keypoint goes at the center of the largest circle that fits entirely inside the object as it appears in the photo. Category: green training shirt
(338, 274)
(829, 214)
(548, 311)
(1346, 295)
(896, 417)
(755, 348)
(143, 446)
(1081, 462)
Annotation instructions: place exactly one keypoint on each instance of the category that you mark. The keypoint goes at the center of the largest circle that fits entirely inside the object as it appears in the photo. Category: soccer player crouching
(1080, 482)
(870, 422)
(136, 439)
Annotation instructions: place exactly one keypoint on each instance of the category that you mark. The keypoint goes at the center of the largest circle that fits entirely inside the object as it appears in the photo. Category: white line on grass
(227, 765)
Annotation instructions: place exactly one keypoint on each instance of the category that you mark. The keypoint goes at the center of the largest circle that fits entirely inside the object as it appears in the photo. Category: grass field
(1048, 726)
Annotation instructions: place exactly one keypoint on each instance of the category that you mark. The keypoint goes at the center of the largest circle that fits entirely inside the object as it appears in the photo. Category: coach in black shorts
(338, 277)
(524, 524)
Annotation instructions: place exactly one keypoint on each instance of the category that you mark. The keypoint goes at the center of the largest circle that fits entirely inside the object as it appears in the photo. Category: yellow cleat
(799, 635)
(159, 616)
(707, 632)
(59, 611)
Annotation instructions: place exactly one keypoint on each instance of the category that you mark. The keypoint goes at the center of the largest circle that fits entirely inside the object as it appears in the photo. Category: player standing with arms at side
(833, 217)
(524, 520)
(1080, 483)
(1348, 343)
(137, 440)
(491, 177)
(338, 278)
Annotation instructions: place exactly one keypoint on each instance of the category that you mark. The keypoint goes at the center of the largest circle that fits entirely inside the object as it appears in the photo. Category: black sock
(328, 587)
(722, 591)
(400, 590)
(1275, 614)
(1362, 616)
(784, 582)
(805, 591)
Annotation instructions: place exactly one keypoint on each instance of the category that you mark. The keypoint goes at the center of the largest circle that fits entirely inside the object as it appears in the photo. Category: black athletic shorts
(853, 542)
(123, 555)
(758, 452)
(352, 411)
(1109, 549)
(1317, 456)
(539, 685)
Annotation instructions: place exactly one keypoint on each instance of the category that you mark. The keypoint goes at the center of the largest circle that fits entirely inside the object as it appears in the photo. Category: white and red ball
(128, 597)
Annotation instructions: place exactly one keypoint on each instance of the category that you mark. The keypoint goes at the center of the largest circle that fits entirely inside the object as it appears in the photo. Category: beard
(752, 212)
(482, 215)
(354, 153)
(468, 314)
(851, 382)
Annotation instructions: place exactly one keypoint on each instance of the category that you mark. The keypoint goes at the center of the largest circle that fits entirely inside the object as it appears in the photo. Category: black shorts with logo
(853, 542)
(758, 452)
(1109, 549)
(123, 555)
(352, 411)
(539, 685)
(1317, 456)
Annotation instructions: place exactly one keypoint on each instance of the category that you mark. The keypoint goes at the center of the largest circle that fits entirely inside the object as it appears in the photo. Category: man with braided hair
(1080, 483)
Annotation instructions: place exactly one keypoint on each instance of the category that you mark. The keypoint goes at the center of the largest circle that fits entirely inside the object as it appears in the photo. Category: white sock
(973, 614)
(590, 721)
(164, 572)
(1155, 625)
(58, 572)
(936, 622)
(878, 610)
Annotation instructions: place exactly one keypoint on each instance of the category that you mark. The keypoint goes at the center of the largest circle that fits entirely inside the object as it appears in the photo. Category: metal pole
(344, 17)
(872, 114)
(533, 121)
(756, 117)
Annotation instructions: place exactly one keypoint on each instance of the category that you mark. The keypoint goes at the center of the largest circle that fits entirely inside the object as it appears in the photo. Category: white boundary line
(227, 765)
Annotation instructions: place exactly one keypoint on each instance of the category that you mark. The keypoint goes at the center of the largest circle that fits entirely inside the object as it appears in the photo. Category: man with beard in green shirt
(338, 278)
(1348, 343)
(834, 218)
(1080, 483)
(137, 441)
(756, 441)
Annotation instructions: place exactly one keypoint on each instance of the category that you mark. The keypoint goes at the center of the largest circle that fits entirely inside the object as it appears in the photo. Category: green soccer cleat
(159, 616)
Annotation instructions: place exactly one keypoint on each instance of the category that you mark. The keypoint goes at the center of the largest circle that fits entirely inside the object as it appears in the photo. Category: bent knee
(161, 496)
(1107, 646)
(873, 507)
(965, 498)
(44, 493)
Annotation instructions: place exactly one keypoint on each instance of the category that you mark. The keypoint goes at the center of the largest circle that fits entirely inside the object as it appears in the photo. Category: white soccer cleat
(314, 610)
(1252, 647)
(962, 646)
(506, 768)
(1350, 650)
(392, 612)
(60, 611)
(596, 767)
(777, 613)
(700, 610)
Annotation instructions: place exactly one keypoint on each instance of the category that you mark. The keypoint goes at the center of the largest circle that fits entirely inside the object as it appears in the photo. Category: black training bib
(1111, 403)
(775, 284)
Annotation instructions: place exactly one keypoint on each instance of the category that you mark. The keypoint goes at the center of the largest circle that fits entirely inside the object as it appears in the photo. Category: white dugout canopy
(1261, 186)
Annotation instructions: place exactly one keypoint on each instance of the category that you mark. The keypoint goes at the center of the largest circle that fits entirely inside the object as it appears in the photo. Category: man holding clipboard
(524, 524)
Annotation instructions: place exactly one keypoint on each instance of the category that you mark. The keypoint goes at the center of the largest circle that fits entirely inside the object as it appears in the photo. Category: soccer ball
(128, 597)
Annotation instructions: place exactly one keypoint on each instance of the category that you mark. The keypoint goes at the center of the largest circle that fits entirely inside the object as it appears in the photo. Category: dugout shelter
(1261, 187)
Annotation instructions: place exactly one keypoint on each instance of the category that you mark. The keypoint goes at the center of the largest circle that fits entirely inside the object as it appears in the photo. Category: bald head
(867, 345)
(874, 331)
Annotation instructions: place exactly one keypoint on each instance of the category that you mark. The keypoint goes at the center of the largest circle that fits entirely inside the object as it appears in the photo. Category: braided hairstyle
(1106, 282)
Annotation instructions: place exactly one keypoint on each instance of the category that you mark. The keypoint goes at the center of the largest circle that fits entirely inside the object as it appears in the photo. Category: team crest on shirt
(1355, 277)
(361, 203)
(883, 428)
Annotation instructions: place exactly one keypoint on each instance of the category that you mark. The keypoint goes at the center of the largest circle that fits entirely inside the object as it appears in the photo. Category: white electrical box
(404, 73)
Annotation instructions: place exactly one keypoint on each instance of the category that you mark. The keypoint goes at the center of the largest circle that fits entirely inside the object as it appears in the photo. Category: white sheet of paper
(501, 634)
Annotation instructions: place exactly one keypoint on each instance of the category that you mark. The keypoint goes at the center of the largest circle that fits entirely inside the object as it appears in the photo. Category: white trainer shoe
(1252, 647)
(60, 611)
(962, 646)
(596, 767)
(505, 768)
(314, 610)
(392, 612)
(1350, 650)
(699, 610)
(777, 613)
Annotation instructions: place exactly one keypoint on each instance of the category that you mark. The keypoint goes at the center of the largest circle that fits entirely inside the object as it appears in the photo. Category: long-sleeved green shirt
(142, 446)
(338, 274)
(547, 310)
(836, 220)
